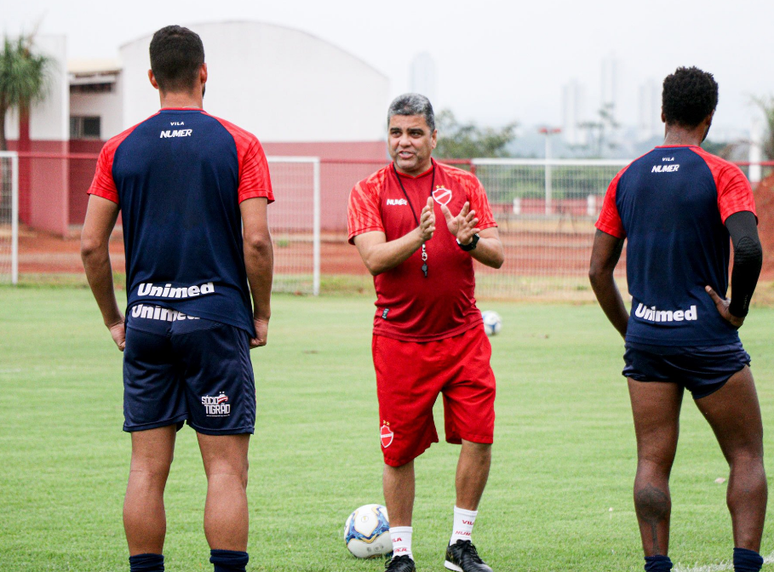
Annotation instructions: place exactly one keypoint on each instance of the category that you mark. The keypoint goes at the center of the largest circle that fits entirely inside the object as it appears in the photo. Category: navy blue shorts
(178, 368)
(700, 369)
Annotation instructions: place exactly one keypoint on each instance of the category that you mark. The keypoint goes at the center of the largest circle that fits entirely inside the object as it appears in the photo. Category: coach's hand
(427, 221)
(118, 333)
(462, 226)
(722, 305)
(261, 332)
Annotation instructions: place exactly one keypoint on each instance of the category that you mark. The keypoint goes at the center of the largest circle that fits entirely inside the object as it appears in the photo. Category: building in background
(422, 77)
(649, 123)
(574, 113)
(302, 96)
(610, 99)
(610, 83)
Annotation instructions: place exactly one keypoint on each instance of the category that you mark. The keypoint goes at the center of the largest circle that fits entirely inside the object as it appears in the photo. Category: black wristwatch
(471, 245)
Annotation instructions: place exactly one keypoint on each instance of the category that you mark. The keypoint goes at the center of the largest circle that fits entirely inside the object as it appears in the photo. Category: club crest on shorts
(386, 435)
(442, 195)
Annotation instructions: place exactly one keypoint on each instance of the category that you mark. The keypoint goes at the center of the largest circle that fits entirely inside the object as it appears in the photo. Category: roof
(93, 67)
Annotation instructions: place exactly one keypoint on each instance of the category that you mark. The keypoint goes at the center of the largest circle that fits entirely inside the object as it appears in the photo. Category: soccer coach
(677, 206)
(428, 336)
(185, 183)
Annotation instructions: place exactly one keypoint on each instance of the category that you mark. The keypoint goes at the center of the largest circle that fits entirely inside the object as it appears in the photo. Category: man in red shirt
(428, 335)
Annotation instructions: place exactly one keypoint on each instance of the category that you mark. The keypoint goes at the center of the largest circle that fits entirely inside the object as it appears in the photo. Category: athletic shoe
(462, 557)
(400, 564)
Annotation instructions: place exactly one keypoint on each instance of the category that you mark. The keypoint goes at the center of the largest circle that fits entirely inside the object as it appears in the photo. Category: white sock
(463, 524)
(401, 541)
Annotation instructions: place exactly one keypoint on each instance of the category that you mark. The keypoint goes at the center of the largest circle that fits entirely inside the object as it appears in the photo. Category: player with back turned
(193, 192)
(677, 206)
(428, 336)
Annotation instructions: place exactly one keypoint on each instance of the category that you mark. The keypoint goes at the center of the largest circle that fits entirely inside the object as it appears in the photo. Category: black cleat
(462, 557)
(400, 564)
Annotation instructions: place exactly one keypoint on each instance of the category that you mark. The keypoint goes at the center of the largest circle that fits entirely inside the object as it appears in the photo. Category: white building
(610, 84)
(574, 113)
(282, 84)
(649, 122)
(423, 77)
(299, 94)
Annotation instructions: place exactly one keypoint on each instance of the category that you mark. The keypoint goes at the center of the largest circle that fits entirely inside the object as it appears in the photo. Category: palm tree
(23, 79)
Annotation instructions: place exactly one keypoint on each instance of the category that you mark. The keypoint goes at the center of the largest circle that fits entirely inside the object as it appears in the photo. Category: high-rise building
(610, 88)
(422, 77)
(574, 113)
(649, 123)
(610, 99)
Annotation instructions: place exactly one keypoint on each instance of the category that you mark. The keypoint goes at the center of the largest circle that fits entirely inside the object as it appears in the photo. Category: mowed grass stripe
(559, 495)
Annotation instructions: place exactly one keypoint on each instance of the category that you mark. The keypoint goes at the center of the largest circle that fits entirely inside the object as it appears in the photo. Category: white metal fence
(546, 212)
(9, 217)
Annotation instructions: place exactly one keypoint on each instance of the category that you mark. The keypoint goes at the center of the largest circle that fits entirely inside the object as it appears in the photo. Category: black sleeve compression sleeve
(748, 259)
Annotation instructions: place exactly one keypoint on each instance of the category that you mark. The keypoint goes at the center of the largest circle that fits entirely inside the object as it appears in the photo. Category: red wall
(49, 197)
(81, 174)
(43, 186)
(53, 189)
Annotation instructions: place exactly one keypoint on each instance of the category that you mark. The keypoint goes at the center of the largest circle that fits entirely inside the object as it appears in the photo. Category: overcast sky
(495, 60)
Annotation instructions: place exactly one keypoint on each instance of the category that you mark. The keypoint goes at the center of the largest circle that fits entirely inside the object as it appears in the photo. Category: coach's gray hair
(412, 104)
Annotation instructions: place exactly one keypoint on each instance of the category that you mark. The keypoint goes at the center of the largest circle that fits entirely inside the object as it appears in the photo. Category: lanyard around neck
(405, 194)
(413, 212)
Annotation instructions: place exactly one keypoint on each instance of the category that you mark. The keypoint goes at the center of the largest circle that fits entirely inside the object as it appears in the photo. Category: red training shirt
(410, 307)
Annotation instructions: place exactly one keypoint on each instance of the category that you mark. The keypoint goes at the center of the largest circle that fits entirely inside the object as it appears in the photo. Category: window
(85, 128)
(91, 88)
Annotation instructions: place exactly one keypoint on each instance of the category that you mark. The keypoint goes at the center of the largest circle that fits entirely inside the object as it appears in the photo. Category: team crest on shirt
(386, 434)
(216, 406)
(442, 195)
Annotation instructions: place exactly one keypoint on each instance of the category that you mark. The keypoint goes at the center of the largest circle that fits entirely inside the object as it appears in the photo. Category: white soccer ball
(493, 323)
(367, 532)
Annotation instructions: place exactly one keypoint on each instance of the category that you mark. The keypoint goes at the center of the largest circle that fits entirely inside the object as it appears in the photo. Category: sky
(496, 61)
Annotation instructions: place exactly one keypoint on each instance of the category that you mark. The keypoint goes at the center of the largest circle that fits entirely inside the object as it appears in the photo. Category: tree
(600, 132)
(767, 106)
(23, 79)
(467, 140)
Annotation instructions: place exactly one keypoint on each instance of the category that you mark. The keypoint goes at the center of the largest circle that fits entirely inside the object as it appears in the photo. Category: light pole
(548, 131)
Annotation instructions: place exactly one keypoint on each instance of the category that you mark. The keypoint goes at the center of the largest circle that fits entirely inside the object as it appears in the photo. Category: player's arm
(748, 259)
(380, 255)
(604, 257)
(101, 215)
(259, 263)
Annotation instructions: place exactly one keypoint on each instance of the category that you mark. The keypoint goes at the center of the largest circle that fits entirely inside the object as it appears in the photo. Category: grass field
(559, 496)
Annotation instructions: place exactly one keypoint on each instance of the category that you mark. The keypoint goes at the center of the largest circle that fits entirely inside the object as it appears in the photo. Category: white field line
(728, 565)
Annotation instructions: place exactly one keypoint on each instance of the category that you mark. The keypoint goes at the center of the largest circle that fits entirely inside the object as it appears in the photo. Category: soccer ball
(493, 323)
(367, 532)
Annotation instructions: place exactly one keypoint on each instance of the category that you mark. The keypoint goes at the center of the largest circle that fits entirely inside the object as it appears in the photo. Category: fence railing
(545, 212)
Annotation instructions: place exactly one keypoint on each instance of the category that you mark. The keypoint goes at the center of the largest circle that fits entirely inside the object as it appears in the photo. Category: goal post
(294, 221)
(9, 217)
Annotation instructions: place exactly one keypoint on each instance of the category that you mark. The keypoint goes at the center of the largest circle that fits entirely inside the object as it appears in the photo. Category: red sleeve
(254, 178)
(363, 213)
(609, 220)
(480, 204)
(734, 190)
(103, 184)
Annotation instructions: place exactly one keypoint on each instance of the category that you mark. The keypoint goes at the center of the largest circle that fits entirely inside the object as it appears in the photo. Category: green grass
(559, 495)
